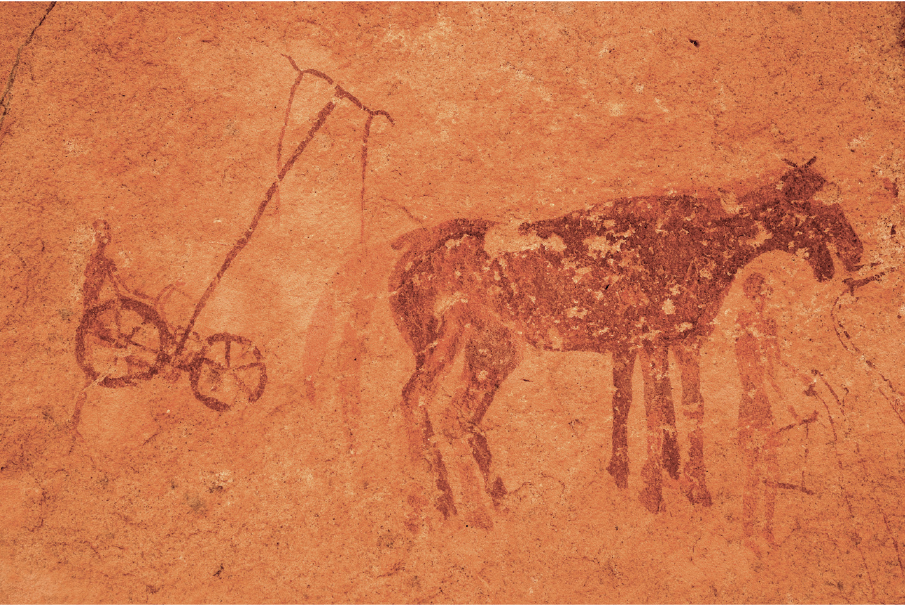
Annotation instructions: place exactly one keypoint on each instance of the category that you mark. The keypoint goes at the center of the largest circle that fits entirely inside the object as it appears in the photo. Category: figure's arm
(113, 275)
(121, 290)
(804, 378)
(807, 380)
(772, 353)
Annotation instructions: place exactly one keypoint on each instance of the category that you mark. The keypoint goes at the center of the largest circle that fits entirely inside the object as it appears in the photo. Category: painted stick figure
(758, 355)
(99, 268)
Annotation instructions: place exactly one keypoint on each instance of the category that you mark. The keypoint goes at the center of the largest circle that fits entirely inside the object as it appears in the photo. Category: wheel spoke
(215, 375)
(104, 357)
(117, 321)
(141, 346)
(117, 365)
(103, 337)
(254, 364)
(211, 362)
(132, 361)
(248, 392)
(228, 343)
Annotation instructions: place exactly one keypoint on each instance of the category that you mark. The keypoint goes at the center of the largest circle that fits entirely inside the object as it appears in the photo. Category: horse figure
(635, 275)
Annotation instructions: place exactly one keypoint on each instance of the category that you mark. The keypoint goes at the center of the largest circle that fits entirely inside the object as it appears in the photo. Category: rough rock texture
(533, 303)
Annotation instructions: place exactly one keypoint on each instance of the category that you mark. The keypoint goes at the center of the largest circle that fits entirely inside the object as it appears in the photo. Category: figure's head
(101, 232)
(756, 288)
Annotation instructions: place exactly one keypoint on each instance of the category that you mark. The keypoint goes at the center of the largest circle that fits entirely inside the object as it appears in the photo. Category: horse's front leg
(660, 433)
(623, 365)
(491, 353)
(694, 480)
(417, 396)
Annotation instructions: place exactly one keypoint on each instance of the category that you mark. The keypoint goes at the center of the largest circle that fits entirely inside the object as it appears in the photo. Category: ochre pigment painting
(458, 303)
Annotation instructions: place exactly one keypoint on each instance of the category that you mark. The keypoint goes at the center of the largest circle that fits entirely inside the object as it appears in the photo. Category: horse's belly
(565, 306)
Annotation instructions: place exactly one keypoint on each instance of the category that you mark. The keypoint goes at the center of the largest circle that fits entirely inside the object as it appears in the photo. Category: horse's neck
(740, 240)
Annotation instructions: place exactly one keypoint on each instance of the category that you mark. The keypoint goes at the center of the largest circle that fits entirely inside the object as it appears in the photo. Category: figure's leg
(623, 366)
(416, 396)
(655, 366)
(491, 353)
(695, 472)
(771, 465)
(751, 455)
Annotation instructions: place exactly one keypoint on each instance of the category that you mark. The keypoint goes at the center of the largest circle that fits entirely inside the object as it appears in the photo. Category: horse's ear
(811, 161)
(791, 163)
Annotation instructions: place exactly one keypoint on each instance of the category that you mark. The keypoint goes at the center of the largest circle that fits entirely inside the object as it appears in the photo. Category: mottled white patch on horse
(445, 303)
(506, 239)
(600, 245)
(581, 272)
(669, 307)
(578, 312)
(762, 236)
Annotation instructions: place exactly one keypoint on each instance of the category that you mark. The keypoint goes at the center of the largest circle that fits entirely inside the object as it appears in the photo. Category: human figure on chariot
(101, 270)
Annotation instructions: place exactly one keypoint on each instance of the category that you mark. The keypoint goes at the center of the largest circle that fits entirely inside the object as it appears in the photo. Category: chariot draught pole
(338, 93)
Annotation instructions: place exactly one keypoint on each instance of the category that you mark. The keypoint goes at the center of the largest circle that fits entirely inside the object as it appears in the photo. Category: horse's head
(802, 182)
(804, 225)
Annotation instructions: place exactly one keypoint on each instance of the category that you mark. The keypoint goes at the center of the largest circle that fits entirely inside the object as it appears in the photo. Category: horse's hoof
(651, 497)
(696, 491)
(618, 468)
(497, 492)
(671, 454)
(414, 514)
(652, 494)
(445, 505)
(479, 518)
(751, 544)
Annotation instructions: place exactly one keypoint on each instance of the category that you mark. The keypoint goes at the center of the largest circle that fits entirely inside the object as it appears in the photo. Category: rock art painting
(395, 302)
(634, 274)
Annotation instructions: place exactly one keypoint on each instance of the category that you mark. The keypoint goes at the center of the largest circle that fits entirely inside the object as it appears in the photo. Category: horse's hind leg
(670, 434)
(491, 353)
(416, 397)
(693, 406)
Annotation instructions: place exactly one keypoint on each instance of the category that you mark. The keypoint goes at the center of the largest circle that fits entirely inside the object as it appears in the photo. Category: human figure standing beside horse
(758, 355)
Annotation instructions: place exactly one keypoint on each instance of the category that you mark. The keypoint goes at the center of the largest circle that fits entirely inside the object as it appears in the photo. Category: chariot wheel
(121, 342)
(229, 372)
